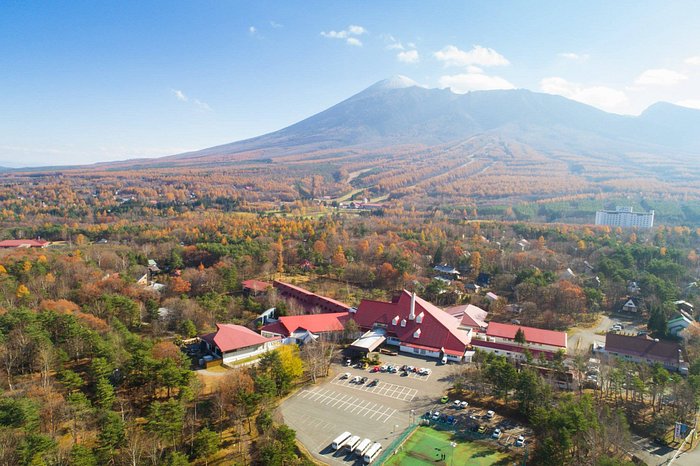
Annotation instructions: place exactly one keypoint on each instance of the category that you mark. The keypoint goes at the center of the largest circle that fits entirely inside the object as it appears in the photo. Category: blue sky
(86, 81)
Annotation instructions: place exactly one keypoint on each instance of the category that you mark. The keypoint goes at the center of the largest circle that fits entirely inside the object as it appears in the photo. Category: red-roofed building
(643, 349)
(233, 342)
(309, 300)
(23, 243)
(415, 326)
(470, 316)
(255, 287)
(500, 339)
(317, 324)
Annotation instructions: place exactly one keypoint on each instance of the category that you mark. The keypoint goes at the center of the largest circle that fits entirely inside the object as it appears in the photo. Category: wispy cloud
(182, 97)
(693, 61)
(575, 56)
(659, 77)
(408, 56)
(349, 35)
(179, 95)
(603, 97)
(478, 55)
(276, 25)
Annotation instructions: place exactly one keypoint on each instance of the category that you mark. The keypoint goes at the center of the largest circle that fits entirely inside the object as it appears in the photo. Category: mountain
(397, 111)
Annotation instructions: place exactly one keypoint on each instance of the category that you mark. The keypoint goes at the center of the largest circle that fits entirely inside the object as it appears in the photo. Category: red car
(375, 369)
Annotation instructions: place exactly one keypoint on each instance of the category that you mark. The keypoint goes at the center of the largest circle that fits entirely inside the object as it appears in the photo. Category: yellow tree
(339, 259)
(475, 263)
(280, 256)
(291, 360)
(22, 292)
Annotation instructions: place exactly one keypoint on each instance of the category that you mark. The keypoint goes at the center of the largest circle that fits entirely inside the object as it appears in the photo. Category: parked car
(345, 376)
(356, 379)
(393, 369)
(481, 429)
(348, 362)
(435, 416)
(490, 414)
(520, 441)
(496, 433)
(423, 371)
(451, 420)
(373, 382)
(463, 405)
(457, 404)
(375, 369)
(363, 380)
(384, 368)
(444, 399)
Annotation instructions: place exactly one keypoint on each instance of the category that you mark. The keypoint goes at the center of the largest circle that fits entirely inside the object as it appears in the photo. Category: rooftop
(315, 323)
(532, 334)
(642, 346)
(230, 337)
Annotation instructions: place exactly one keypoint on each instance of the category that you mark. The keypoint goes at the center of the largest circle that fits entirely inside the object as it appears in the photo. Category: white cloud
(201, 105)
(356, 30)
(276, 25)
(691, 103)
(478, 55)
(408, 56)
(179, 95)
(347, 34)
(602, 97)
(659, 77)
(693, 61)
(252, 30)
(465, 82)
(575, 56)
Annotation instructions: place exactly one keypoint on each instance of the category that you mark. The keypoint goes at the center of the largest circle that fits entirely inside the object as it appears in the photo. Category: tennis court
(427, 446)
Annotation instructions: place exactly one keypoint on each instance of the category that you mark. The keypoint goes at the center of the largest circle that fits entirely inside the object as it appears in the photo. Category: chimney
(412, 314)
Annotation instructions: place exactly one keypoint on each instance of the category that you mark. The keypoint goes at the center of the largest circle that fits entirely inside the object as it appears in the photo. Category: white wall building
(624, 217)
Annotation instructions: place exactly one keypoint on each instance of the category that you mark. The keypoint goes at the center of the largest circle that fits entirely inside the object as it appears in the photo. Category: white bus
(340, 440)
(362, 448)
(352, 443)
(372, 453)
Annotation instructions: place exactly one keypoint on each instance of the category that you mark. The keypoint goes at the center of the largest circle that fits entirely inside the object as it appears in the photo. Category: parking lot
(380, 412)
(389, 389)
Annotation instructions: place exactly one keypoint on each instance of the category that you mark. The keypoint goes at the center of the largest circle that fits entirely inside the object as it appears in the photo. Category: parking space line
(389, 416)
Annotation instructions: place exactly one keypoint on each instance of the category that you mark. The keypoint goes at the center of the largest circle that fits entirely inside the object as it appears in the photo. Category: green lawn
(421, 448)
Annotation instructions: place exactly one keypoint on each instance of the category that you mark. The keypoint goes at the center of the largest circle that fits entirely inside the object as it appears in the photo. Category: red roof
(532, 334)
(514, 348)
(23, 243)
(470, 315)
(256, 285)
(438, 328)
(230, 337)
(314, 323)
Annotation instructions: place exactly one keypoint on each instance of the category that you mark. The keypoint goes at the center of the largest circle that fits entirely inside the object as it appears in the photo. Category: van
(340, 440)
(362, 448)
(444, 359)
(352, 443)
(372, 453)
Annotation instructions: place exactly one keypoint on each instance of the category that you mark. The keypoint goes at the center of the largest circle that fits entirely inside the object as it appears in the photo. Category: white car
(356, 379)
(457, 404)
(463, 405)
(520, 441)
(490, 414)
(435, 416)
(423, 371)
(496, 433)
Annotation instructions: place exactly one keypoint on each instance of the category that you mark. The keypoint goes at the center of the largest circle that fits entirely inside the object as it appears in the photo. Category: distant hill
(396, 111)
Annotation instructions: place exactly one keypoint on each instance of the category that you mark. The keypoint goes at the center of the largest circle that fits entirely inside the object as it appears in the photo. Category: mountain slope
(397, 111)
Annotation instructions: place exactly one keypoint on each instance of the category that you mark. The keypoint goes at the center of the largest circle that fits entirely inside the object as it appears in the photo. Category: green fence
(389, 451)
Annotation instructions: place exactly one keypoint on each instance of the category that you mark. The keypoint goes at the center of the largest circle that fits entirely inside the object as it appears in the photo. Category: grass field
(426, 445)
